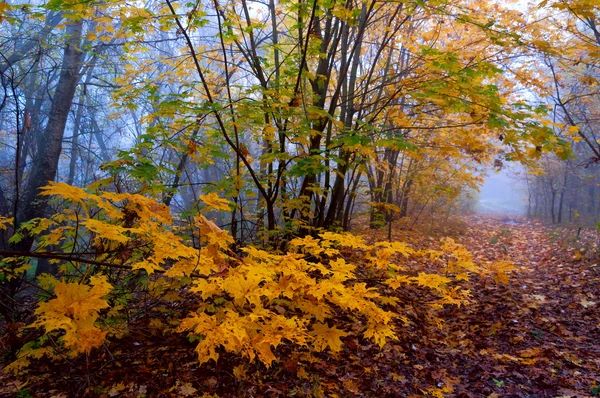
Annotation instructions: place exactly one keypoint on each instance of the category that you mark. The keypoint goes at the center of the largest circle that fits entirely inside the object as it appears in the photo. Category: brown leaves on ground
(537, 336)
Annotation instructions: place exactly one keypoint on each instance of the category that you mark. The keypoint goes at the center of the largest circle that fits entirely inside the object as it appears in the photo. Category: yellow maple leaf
(75, 310)
(108, 231)
(213, 236)
(342, 269)
(69, 192)
(243, 288)
(345, 239)
(5, 222)
(148, 265)
(240, 371)
(213, 201)
(501, 269)
(379, 332)
(324, 337)
(433, 281)
(206, 288)
(320, 312)
(265, 354)
(308, 245)
(397, 280)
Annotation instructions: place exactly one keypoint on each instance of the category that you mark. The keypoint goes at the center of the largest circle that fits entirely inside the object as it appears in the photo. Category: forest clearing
(248, 198)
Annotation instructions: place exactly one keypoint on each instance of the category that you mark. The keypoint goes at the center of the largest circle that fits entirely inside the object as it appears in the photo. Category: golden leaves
(211, 234)
(5, 222)
(325, 336)
(310, 245)
(213, 201)
(75, 310)
(4, 8)
(379, 332)
(108, 231)
(500, 270)
(252, 335)
(147, 265)
(433, 281)
(66, 191)
(327, 244)
(344, 239)
(243, 288)
(250, 305)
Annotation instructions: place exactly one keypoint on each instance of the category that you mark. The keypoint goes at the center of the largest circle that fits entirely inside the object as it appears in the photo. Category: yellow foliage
(249, 305)
(379, 332)
(213, 201)
(344, 240)
(433, 281)
(312, 246)
(69, 192)
(5, 222)
(324, 337)
(108, 231)
(147, 265)
(500, 270)
(75, 311)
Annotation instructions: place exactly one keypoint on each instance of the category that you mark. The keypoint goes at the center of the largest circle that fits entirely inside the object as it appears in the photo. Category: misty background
(503, 192)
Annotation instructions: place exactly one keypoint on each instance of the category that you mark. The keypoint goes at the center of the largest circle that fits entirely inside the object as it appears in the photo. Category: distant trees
(567, 190)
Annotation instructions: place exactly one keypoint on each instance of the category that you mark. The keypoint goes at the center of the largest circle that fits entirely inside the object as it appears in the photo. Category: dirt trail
(539, 336)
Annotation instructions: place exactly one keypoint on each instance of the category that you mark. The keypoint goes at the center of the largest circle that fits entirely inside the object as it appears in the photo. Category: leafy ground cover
(533, 333)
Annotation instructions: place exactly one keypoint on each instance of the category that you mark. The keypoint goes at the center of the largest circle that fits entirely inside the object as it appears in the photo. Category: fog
(503, 192)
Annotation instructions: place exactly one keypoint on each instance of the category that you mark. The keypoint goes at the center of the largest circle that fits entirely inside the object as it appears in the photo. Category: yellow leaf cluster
(500, 270)
(213, 201)
(324, 337)
(246, 305)
(5, 222)
(75, 311)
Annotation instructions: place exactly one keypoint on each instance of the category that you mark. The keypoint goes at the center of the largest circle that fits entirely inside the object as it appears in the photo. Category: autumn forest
(272, 198)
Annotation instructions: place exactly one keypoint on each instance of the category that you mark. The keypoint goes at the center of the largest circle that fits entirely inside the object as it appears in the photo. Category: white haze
(503, 192)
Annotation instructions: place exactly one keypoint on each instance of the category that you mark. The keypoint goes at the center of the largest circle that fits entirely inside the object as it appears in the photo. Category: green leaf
(16, 238)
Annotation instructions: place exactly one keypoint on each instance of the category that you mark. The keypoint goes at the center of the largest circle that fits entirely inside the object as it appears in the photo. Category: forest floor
(538, 336)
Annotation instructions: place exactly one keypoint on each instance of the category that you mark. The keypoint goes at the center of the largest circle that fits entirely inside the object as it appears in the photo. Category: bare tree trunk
(45, 162)
(405, 196)
(562, 195)
(77, 123)
(553, 206)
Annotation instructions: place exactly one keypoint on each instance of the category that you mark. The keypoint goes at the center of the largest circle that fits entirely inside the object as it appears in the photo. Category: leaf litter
(536, 334)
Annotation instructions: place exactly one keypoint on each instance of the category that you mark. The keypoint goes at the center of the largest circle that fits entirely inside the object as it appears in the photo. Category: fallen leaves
(533, 336)
(586, 303)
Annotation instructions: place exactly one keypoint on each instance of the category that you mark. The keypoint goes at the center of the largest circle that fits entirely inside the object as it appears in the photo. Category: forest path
(540, 335)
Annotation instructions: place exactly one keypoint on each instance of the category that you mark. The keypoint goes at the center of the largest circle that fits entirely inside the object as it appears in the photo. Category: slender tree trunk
(562, 195)
(405, 196)
(350, 202)
(553, 206)
(75, 139)
(77, 123)
(179, 171)
(45, 162)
